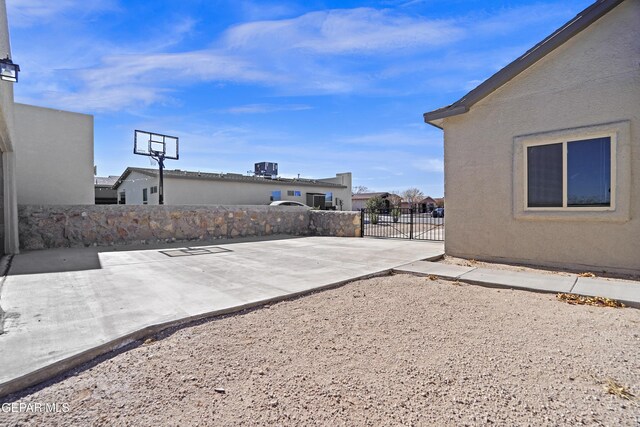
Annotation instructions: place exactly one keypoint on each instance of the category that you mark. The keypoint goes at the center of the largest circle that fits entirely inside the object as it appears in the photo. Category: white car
(288, 203)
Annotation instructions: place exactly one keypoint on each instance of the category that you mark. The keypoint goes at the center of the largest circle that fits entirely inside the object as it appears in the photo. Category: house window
(297, 193)
(144, 196)
(276, 195)
(569, 174)
(328, 197)
(123, 198)
(289, 192)
(154, 189)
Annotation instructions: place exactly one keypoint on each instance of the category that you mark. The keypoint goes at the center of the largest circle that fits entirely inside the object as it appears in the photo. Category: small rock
(220, 390)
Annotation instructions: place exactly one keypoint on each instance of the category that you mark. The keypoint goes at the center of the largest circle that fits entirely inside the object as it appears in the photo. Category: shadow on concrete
(62, 260)
(55, 261)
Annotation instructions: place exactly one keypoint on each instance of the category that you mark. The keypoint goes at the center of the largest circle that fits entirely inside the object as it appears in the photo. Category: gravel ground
(384, 351)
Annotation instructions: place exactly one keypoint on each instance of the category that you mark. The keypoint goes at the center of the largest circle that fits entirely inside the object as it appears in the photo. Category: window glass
(328, 197)
(589, 172)
(289, 192)
(276, 195)
(544, 175)
(297, 193)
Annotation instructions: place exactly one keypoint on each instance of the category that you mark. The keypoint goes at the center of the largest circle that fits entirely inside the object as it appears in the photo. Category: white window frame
(564, 141)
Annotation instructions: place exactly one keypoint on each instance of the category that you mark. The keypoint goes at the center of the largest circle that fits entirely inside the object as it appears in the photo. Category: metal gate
(402, 223)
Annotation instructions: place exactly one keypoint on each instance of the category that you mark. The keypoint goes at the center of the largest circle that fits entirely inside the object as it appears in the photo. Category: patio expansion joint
(461, 275)
(575, 282)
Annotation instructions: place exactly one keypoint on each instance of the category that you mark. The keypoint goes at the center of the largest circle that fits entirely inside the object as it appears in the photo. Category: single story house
(105, 194)
(359, 200)
(138, 186)
(542, 159)
(54, 156)
(425, 205)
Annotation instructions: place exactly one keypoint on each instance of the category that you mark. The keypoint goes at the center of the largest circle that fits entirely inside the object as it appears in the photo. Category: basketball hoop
(158, 147)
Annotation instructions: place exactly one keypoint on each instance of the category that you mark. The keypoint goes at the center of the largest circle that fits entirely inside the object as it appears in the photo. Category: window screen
(544, 175)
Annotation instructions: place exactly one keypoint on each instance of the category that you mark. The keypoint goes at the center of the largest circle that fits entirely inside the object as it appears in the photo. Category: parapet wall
(54, 226)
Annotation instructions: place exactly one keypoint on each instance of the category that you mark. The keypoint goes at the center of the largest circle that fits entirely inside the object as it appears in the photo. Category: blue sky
(318, 86)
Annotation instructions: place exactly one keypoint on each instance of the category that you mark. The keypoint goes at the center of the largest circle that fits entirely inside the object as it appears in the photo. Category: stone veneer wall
(53, 226)
(335, 223)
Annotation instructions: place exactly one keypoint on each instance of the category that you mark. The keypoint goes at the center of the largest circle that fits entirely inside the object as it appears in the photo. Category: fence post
(362, 222)
(410, 223)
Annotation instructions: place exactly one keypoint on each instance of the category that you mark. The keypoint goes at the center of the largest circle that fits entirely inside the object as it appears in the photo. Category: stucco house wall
(54, 156)
(591, 82)
(188, 191)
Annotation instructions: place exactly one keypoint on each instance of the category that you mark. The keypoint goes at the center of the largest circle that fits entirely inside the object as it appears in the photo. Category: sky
(320, 87)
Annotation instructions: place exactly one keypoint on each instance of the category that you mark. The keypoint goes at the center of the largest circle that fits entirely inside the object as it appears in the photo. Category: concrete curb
(488, 284)
(60, 367)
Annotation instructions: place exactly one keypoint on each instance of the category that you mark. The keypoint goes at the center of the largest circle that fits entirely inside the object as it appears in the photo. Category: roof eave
(435, 118)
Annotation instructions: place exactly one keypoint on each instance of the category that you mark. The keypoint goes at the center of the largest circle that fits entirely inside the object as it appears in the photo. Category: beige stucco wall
(178, 191)
(54, 156)
(593, 79)
(6, 88)
(8, 203)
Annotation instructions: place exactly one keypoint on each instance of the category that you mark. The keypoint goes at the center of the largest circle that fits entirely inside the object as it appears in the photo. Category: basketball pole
(161, 186)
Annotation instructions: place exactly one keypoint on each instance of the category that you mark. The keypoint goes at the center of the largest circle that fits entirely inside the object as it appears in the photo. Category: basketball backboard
(155, 145)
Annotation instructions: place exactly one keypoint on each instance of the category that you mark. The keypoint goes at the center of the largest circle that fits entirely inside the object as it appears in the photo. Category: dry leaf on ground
(586, 274)
(612, 387)
(586, 300)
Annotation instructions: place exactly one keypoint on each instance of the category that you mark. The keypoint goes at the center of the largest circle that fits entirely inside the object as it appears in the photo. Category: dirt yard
(397, 350)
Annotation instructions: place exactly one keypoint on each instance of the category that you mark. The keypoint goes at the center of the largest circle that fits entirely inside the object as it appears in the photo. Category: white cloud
(429, 164)
(25, 13)
(266, 108)
(344, 31)
(123, 81)
(392, 139)
(311, 54)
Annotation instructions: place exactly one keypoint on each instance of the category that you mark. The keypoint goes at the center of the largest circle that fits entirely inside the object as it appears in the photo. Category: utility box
(266, 169)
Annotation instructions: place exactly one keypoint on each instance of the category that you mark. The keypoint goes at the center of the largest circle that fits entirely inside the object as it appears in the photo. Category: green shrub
(374, 205)
(395, 213)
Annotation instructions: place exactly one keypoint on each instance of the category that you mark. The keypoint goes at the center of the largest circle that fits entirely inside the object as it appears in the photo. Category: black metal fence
(402, 223)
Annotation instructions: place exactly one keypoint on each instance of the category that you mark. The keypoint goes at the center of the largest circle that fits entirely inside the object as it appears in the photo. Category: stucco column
(11, 242)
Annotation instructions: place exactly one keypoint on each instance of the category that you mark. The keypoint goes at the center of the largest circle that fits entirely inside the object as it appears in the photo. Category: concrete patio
(63, 307)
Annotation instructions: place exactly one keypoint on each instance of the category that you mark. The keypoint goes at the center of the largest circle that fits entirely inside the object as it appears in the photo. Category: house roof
(428, 199)
(106, 181)
(367, 196)
(227, 177)
(581, 21)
